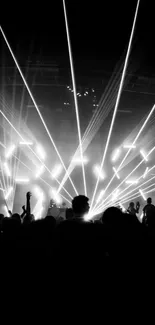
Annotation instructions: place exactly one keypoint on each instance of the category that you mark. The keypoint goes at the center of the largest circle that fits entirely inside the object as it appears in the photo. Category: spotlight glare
(116, 173)
(8, 193)
(40, 152)
(57, 170)
(7, 170)
(98, 173)
(26, 143)
(142, 194)
(22, 180)
(146, 172)
(116, 155)
(40, 171)
(129, 146)
(143, 155)
(56, 197)
(115, 194)
(10, 151)
(131, 182)
(100, 196)
(78, 161)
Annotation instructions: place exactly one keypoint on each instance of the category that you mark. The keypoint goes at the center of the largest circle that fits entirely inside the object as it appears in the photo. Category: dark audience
(116, 233)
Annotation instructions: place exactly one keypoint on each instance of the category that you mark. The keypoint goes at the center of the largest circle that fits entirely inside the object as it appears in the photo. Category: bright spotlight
(142, 194)
(116, 155)
(2, 189)
(40, 152)
(26, 143)
(56, 171)
(100, 196)
(131, 182)
(116, 173)
(78, 161)
(10, 151)
(22, 180)
(146, 171)
(88, 216)
(143, 155)
(129, 146)
(8, 193)
(37, 191)
(98, 172)
(40, 171)
(5, 210)
(56, 197)
(7, 170)
(122, 207)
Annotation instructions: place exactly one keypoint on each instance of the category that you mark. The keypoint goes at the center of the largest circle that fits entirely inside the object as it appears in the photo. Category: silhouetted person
(132, 210)
(149, 213)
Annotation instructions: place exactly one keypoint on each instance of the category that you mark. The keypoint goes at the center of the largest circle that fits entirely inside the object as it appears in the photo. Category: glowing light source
(26, 143)
(129, 146)
(10, 151)
(143, 155)
(2, 189)
(100, 196)
(116, 173)
(98, 172)
(116, 155)
(40, 171)
(131, 182)
(8, 193)
(146, 172)
(56, 171)
(56, 197)
(7, 170)
(122, 207)
(77, 161)
(40, 152)
(22, 180)
(142, 194)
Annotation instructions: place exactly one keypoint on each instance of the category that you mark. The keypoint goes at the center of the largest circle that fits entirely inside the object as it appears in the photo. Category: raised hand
(28, 195)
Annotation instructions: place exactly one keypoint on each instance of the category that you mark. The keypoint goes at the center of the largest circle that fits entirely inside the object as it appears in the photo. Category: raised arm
(28, 205)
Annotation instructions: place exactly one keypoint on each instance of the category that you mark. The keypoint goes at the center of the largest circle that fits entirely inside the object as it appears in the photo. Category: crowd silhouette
(116, 233)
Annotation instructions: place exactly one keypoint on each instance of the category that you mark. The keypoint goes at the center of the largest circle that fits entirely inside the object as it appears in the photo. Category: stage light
(56, 171)
(5, 210)
(129, 146)
(40, 171)
(122, 207)
(88, 216)
(56, 197)
(142, 194)
(116, 173)
(100, 196)
(77, 161)
(146, 172)
(143, 155)
(98, 172)
(116, 155)
(10, 151)
(131, 182)
(22, 180)
(40, 152)
(8, 193)
(26, 143)
(7, 170)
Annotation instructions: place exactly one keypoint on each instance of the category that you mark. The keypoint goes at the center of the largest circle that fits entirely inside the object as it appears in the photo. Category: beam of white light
(115, 195)
(2, 189)
(143, 155)
(100, 196)
(98, 172)
(35, 104)
(142, 194)
(10, 151)
(128, 174)
(8, 193)
(40, 171)
(146, 172)
(56, 197)
(25, 143)
(77, 161)
(32, 151)
(129, 146)
(75, 96)
(22, 180)
(118, 99)
(40, 152)
(7, 170)
(122, 207)
(116, 155)
(116, 173)
(131, 182)
(136, 138)
(56, 171)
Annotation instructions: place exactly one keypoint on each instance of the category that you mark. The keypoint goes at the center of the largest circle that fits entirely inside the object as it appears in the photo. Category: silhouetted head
(149, 200)
(80, 205)
(131, 205)
(16, 216)
(112, 216)
(69, 214)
